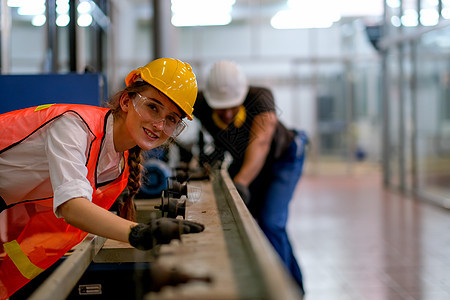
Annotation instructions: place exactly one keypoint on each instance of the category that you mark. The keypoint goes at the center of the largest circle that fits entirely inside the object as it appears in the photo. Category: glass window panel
(433, 122)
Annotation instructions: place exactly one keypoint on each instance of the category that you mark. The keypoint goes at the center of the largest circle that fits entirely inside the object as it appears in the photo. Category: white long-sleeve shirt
(53, 162)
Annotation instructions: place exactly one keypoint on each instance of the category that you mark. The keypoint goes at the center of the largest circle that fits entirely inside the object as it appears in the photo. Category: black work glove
(244, 192)
(161, 231)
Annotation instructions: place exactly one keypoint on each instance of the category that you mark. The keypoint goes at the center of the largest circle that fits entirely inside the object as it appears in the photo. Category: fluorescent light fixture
(429, 17)
(201, 12)
(62, 7)
(84, 7)
(410, 18)
(62, 20)
(14, 3)
(307, 14)
(393, 3)
(287, 19)
(395, 21)
(21, 3)
(26, 7)
(84, 20)
(31, 8)
(36, 9)
(38, 20)
(433, 3)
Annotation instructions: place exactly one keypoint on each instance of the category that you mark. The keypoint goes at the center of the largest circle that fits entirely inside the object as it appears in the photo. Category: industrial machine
(231, 259)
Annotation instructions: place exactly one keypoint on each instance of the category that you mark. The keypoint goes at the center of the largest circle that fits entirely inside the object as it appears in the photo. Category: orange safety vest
(35, 237)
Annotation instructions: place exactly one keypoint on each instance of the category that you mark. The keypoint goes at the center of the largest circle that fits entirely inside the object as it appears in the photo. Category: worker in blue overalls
(267, 157)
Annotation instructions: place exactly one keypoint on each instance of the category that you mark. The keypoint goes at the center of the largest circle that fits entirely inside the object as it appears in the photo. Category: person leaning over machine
(267, 157)
(63, 166)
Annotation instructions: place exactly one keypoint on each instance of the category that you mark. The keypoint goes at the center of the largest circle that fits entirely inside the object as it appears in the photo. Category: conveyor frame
(255, 256)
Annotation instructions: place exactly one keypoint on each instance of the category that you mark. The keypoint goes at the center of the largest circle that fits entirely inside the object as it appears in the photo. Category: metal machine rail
(276, 281)
(232, 251)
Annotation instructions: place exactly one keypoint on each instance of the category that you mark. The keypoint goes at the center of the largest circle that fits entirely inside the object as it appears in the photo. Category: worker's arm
(261, 134)
(87, 216)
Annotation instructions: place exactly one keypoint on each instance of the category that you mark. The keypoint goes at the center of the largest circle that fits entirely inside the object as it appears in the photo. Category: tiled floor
(355, 240)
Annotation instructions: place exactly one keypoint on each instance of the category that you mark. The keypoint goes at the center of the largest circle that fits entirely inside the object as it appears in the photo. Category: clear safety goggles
(152, 111)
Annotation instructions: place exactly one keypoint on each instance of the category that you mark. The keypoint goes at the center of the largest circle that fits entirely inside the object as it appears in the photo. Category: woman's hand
(87, 216)
(161, 231)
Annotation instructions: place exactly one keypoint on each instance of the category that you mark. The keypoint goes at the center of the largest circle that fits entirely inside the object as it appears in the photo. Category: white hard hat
(226, 85)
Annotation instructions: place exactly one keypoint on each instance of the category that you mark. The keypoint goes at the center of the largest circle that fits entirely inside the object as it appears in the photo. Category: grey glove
(244, 192)
(161, 231)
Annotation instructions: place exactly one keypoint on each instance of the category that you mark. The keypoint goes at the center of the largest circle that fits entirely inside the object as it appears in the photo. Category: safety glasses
(153, 111)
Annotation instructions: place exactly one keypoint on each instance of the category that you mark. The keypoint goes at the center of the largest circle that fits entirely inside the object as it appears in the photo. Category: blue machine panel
(22, 91)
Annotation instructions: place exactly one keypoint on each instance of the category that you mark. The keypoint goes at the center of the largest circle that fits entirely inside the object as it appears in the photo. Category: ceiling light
(38, 20)
(429, 17)
(302, 14)
(62, 20)
(84, 20)
(84, 7)
(201, 12)
(31, 9)
(410, 18)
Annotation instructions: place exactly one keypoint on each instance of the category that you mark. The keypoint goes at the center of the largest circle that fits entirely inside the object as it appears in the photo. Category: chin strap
(238, 121)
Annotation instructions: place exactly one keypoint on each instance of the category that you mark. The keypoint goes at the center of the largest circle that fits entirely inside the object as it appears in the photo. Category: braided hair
(127, 209)
(126, 206)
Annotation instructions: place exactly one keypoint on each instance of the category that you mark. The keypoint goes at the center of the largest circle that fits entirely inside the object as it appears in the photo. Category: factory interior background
(369, 81)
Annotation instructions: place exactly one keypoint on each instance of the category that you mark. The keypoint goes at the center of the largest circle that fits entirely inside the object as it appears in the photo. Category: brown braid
(126, 208)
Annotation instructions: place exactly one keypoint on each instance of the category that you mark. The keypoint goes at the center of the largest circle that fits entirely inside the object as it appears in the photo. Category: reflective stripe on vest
(21, 261)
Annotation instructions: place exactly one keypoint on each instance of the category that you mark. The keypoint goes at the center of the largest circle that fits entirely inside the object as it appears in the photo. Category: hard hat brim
(216, 103)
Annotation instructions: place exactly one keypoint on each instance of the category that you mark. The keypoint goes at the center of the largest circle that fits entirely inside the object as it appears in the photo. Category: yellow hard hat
(173, 78)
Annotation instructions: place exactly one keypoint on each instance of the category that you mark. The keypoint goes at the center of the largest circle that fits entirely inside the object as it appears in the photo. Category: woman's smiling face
(149, 133)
